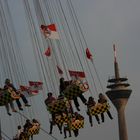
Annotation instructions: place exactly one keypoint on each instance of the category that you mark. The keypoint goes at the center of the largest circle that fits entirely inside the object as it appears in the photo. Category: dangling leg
(90, 120)
(65, 135)
(32, 137)
(102, 117)
(60, 128)
(97, 118)
(70, 110)
(69, 132)
(19, 104)
(24, 100)
(109, 114)
(12, 106)
(76, 103)
(83, 99)
(75, 133)
(7, 109)
(51, 127)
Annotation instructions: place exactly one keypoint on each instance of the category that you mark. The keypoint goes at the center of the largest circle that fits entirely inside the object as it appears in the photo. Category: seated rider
(9, 84)
(7, 105)
(102, 99)
(49, 99)
(63, 85)
(78, 116)
(66, 127)
(53, 122)
(35, 123)
(27, 126)
(91, 103)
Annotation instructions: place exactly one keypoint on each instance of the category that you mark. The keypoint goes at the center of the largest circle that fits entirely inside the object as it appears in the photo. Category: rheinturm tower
(119, 94)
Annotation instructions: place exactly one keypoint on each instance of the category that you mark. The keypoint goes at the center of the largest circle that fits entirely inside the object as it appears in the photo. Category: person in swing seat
(102, 99)
(53, 122)
(91, 102)
(7, 105)
(49, 100)
(66, 127)
(7, 85)
(63, 85)
(28, 124)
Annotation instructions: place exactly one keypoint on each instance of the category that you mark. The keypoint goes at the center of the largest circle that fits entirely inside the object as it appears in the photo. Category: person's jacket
(50, 100)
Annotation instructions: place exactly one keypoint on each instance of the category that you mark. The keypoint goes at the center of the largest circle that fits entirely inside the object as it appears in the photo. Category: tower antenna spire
(116, 67)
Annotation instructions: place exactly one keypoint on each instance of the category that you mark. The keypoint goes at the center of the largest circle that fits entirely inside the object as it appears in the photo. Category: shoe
(111, 118)
(78, 108)
(85, 103)
(91, 125)
(27, 105)
(65, 137)
(69, 135)
(21, 108)
(60, 132)
(50, 133)
(14, 110)
(98, 122)
(9, 114)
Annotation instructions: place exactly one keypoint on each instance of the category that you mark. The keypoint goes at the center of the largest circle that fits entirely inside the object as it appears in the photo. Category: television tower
(119, 95)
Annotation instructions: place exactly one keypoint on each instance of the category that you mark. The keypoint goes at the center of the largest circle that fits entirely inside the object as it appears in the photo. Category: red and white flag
(88, 54)
(76, 74)
(34, 92)
(48, 52)
(59, 70)
(28, 91)
(49, 31)
(35, 85)
(24, 88)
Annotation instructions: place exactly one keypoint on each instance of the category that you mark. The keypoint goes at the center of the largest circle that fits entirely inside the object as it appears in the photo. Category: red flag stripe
(48, 52)
(59, 70)
(31, 83)
(77, 73)
(88, 54)
(51, 27)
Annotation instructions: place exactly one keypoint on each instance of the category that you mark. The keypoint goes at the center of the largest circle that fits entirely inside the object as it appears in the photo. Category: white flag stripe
(53, 35)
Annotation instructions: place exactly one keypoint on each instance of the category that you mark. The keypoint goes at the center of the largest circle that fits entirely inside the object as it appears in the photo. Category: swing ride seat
(59, 119)
(76, 88)
(77, 124)
(34, 130)
(98, 108)
(57, 106)
(6, 96)
(24, 136)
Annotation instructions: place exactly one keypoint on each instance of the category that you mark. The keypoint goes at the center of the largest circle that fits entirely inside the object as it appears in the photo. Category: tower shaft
(120, 106)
